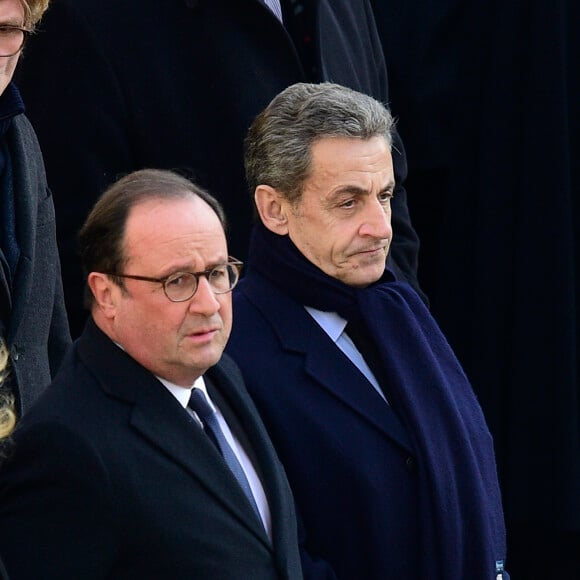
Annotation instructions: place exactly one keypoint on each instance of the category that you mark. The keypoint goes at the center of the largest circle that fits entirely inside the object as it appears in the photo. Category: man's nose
(376, 220)
(204, 301)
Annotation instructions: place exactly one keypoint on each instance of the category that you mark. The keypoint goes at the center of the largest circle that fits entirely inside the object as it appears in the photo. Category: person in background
(384, 443)
(175, 85)
(33, 321)
(146, 457)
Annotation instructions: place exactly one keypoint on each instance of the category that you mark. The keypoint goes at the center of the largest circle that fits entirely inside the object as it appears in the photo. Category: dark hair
(278, 147)
(102, 235)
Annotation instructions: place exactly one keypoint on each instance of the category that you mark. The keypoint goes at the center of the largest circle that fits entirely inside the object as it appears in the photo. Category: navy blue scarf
(461, 513)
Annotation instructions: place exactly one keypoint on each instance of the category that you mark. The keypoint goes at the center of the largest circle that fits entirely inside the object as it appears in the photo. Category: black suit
(111, 478)
(176, 84)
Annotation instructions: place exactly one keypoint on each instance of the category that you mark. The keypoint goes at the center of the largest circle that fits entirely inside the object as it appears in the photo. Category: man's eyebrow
(348, 190)
(356, 190)
(209, 266)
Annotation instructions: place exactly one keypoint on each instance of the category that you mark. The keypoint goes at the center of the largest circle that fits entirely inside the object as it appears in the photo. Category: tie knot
(198, 403)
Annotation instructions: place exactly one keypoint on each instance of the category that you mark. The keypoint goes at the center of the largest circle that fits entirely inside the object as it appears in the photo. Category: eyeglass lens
(182, 286)
(11, 40)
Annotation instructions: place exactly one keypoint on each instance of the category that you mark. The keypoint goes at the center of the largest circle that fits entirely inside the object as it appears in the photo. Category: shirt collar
(182, 394)
(331, 322)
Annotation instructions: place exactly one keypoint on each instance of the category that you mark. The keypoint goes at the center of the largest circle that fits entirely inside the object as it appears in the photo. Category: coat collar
(160, 419)
(298, 332)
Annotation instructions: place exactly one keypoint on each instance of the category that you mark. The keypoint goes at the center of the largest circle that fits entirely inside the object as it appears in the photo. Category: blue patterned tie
(199, 404)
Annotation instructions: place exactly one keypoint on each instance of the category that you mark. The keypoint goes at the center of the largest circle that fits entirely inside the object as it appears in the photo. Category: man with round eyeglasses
(181, 286)
(146, 457)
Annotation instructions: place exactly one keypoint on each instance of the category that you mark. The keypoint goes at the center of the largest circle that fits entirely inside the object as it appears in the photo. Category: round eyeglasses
(181, 286)
(12, 39)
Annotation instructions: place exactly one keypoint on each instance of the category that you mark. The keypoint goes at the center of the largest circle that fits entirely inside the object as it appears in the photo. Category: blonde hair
(33, 11)
(7, 415)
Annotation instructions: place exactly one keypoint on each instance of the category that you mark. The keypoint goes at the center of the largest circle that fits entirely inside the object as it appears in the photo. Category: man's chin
(364, 276)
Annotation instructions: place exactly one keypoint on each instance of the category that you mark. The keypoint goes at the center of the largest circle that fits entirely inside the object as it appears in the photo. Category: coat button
(410, 463)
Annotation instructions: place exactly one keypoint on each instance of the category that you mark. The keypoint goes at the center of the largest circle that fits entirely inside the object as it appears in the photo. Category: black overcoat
(32, 303)
(111, 478)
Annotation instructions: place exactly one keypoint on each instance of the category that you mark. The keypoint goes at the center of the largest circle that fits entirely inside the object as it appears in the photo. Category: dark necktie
(198, 403)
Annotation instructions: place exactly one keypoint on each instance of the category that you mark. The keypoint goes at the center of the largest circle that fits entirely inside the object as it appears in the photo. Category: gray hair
(278, 147)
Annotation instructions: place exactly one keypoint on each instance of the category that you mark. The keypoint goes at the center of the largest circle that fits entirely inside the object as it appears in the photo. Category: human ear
(102, 289)
(272, 206)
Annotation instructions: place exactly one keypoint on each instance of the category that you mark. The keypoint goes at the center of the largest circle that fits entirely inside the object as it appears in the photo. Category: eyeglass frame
(26, 32)
(237, 264)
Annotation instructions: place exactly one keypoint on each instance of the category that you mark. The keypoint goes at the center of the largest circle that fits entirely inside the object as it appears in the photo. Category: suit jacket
(348, 459)
(32, 306)
(111, 478)
(176, 84)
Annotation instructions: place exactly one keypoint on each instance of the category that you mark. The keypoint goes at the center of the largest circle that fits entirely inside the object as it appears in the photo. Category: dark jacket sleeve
(39, 331)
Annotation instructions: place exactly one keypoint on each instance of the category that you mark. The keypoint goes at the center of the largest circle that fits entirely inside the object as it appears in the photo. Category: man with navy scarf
(384, 443)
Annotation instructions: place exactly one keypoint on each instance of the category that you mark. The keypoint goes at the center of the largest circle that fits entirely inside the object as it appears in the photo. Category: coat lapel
(160, 419)
(171, 429)
(227, 376)
(327, 365)
(323, 360)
